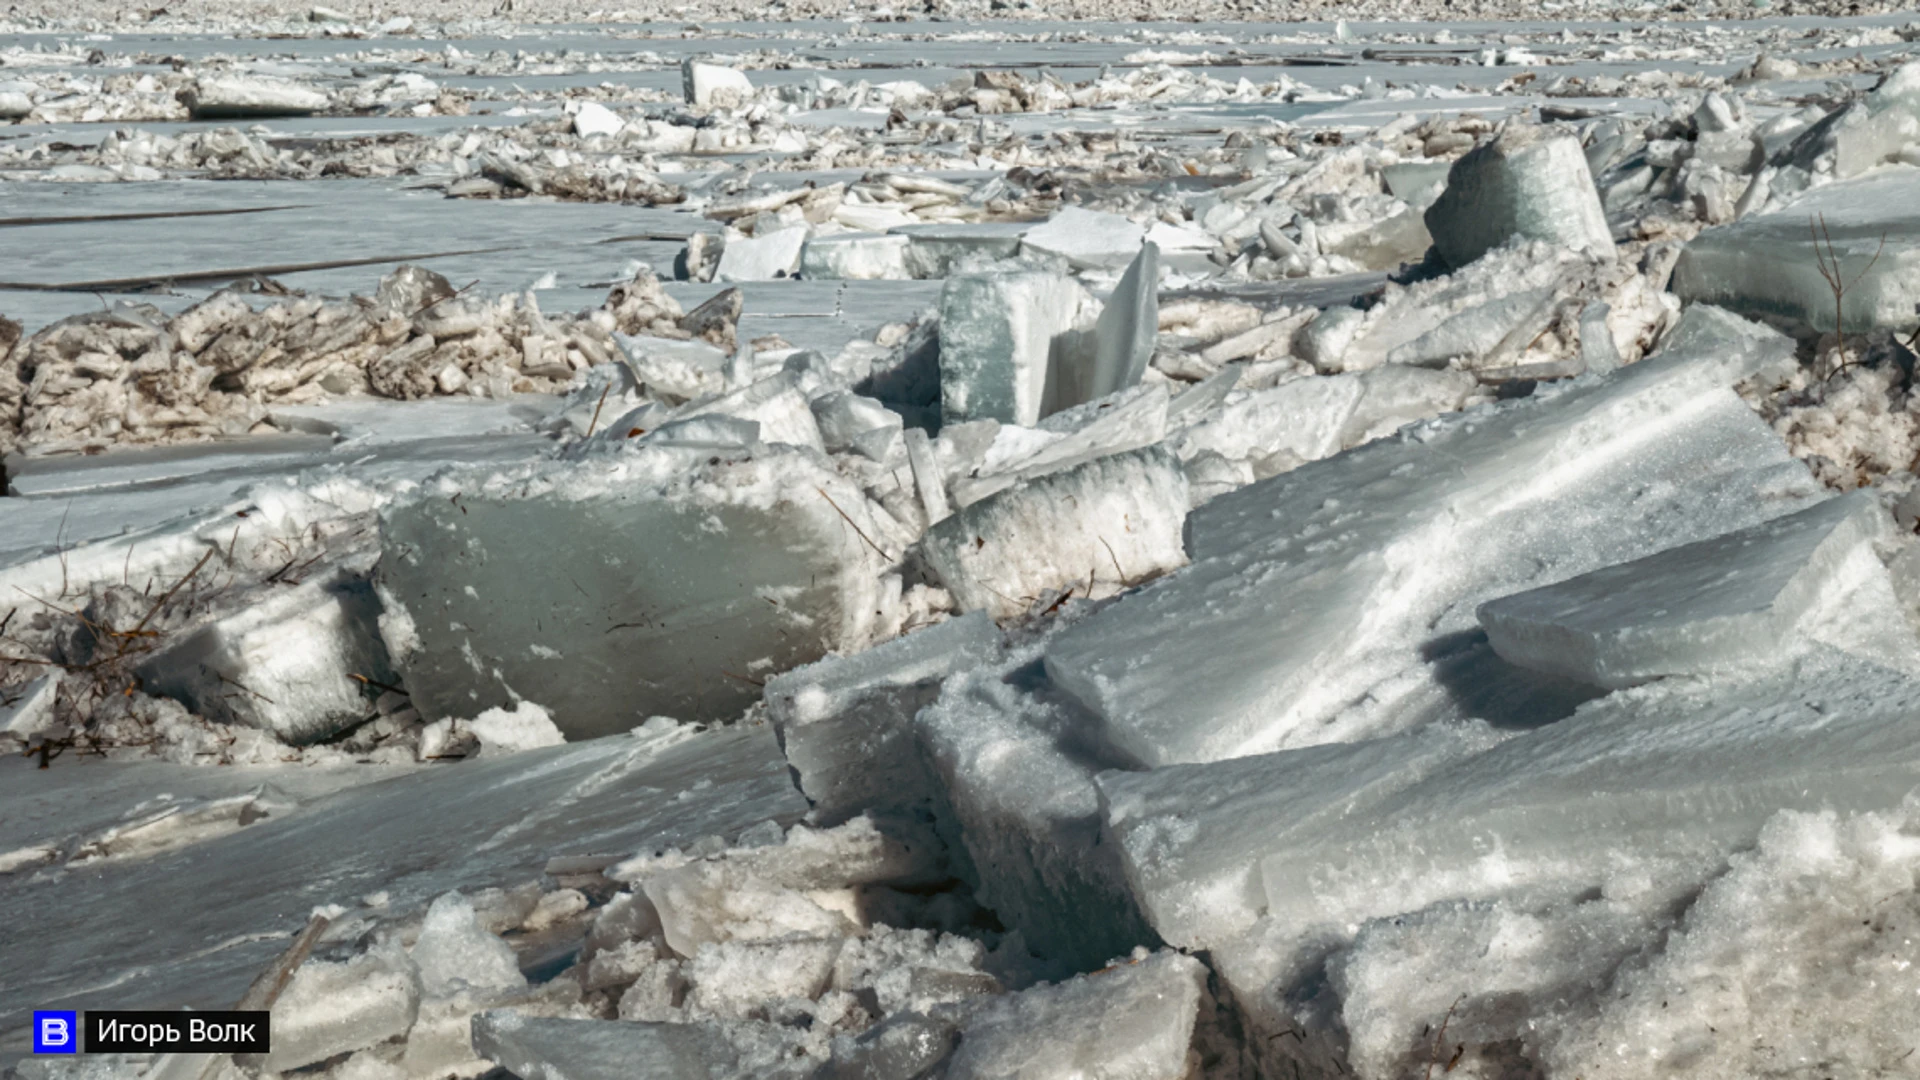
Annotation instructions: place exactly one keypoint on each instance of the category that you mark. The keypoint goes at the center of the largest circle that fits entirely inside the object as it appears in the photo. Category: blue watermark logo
(56, 1032)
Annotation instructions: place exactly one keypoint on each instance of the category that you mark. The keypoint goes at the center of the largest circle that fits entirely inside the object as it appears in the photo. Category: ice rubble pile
(213, 93)
(131, 375)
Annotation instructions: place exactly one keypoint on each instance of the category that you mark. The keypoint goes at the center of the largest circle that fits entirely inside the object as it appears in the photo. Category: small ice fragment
(1087, 239)
(713, 85)
(1132, 1020)
(507, 731)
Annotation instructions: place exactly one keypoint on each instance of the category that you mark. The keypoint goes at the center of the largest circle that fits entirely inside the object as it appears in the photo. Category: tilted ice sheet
(1315, 597)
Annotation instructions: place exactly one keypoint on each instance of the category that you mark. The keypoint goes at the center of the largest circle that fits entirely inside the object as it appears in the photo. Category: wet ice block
(1134, 1020)
(285, 664)
(774, 404)
(1527, 182)
(1016, 768)
(560, 1048)
(849, 421)
(224, 97)
(144, 929)
(855, 257)
(1100, 527)
(1732, 600)
(1769, 264)
(997, 331)
(714, 85)
(1087, 239)
(1314, 596)
(846, 723)
(684, 580)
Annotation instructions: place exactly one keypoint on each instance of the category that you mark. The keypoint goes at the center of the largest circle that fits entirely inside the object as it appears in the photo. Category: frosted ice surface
(846, 722)
(283, 664)
(1635, 802)
(1797, 960)
(1298, 421)
(675, 592)
(1765, 264)
(1676, 775)
(526, 726)
(1100, 527)
(1732, 600)
(1328, 585)
(555, 1048)
(1530, 182)
(1133, 1021)
(997, 331)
